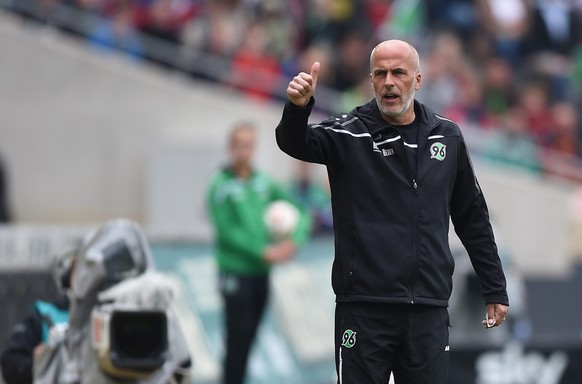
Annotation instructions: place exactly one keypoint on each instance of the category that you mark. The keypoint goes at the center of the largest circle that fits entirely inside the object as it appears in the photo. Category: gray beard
(392, 113)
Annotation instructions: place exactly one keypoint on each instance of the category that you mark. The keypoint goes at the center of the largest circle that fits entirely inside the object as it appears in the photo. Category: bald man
(398, 172)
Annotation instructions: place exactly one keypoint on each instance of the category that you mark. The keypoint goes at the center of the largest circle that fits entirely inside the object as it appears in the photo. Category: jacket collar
(229, 169)
(370, 115)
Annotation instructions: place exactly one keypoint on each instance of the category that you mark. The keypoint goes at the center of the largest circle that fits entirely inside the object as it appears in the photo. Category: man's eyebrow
(395, 69)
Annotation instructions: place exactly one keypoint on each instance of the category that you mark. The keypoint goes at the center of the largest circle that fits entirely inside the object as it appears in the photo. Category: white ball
(281, 219)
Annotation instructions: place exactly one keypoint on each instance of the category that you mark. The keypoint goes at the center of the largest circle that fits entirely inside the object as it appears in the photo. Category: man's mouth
(390, 96)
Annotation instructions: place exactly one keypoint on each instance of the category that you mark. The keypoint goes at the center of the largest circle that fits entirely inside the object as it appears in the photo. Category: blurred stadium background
(120, 108)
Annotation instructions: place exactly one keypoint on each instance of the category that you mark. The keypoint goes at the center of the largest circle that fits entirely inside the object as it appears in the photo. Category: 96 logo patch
(438, 151)
(349, 338)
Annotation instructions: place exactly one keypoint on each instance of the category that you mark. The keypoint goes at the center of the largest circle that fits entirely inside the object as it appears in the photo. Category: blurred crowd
(511, 67)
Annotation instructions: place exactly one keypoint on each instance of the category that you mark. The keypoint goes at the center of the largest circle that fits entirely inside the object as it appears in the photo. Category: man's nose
(388, 81)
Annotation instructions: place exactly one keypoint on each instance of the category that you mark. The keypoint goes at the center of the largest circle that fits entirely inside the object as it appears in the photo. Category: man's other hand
(495, 315)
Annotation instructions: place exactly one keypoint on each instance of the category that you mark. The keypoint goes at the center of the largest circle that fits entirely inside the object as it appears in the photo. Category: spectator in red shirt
(165, 19)
(534, 103)
(254, 69)
(564, 136)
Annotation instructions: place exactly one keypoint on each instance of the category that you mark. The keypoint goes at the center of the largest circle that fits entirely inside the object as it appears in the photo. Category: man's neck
(242, 171)
(404, 119)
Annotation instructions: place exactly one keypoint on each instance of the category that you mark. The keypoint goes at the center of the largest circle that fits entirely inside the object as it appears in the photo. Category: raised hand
(302, 87)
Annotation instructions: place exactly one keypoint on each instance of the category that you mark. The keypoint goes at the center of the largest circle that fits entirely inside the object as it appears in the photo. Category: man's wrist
(309, 104)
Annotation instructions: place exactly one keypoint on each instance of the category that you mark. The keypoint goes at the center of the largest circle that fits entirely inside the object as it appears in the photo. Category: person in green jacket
(238, 196)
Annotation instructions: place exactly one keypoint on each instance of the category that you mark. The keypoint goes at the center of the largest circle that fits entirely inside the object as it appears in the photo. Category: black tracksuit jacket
(391, 222)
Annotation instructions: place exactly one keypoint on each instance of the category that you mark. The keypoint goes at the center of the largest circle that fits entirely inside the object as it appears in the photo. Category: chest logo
(349, 338)
(438, 151)
(387, 151)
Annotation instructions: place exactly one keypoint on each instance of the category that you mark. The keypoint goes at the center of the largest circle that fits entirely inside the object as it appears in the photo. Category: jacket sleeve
(315, 143)
(17, 353)
(303, 230)
(231, 236)
(470, 218)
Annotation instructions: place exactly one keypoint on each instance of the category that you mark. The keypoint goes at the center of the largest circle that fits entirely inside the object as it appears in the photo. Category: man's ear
(418, 81)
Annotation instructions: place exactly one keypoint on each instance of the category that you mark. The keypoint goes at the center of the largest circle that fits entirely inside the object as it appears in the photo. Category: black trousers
(373, 340)
(245, 298)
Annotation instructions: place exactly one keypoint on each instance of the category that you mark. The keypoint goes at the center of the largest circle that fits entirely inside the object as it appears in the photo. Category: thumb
(314, 73)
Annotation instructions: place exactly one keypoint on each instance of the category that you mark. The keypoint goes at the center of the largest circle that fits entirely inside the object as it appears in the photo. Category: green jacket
(236, 209)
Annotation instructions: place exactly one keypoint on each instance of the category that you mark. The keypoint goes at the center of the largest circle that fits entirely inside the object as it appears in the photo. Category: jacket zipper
(415, 219)
(414, 237)
(353, 264)
(414, 244)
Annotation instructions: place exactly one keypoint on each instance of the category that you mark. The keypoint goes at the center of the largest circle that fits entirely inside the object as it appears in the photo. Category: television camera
(122, 328)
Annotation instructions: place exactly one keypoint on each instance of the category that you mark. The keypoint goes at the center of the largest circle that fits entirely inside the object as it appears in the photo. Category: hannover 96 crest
(438, 151)
(349, 338)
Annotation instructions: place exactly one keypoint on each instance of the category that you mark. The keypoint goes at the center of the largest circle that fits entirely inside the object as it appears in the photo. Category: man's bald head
(395, 77)
(396, 48)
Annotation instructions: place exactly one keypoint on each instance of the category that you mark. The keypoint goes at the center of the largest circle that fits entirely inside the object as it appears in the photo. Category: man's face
(242, 147)
(395, 77)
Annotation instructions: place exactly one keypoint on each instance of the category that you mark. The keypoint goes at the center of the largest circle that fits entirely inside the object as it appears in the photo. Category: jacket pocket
(353, 262)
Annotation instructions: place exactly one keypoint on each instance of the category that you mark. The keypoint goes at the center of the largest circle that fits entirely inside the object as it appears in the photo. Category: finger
(304, 81)
(296, 97)
(293, 93)
(314, 73)
(490, 316)
(302, 85)
(500, 313)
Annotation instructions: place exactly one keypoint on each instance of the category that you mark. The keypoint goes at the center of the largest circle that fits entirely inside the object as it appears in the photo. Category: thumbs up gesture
(302, 87)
